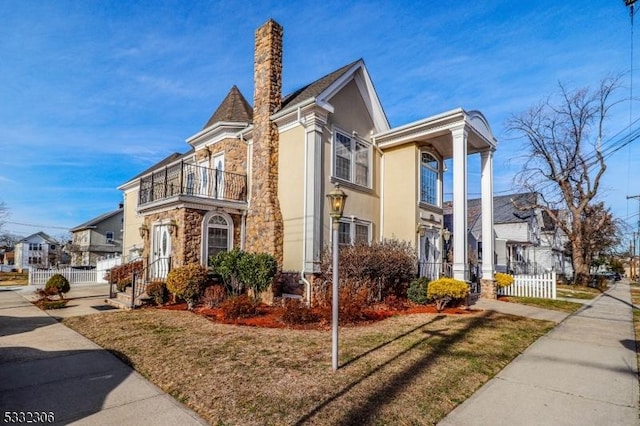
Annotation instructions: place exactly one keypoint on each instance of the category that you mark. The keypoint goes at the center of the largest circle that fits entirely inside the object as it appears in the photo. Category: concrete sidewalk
(583, 372)
(45, 366)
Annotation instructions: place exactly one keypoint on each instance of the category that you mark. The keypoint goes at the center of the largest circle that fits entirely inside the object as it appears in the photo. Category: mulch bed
(271, 316)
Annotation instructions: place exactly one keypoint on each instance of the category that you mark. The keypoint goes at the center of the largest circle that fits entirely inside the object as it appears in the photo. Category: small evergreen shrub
(417, 291)
(256, 271)
(52, 304)
(123, 283)
(503, 280)
(58, 283)
(296, 312)
(213, 296)
(157, 290)
(444, 290)
(187, 282)
(241, 306)
(225, 264)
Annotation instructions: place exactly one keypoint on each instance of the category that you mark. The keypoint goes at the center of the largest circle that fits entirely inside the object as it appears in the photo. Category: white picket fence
(104, 265)
(39, 277)
(542, 286)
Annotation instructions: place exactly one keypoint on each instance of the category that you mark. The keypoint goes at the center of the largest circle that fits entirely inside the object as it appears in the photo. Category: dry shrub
(241, 306)
(352, 302)
(297, 312)
(187, 282)
(125, 271)
(395, 303)
(383, 268)
(213, 296)
(158, 291)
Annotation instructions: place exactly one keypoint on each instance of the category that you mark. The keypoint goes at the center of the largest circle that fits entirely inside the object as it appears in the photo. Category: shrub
(226, 265)
(352, 302)
(59, 283)
(417, 291)
(52, 304)
(256, 271)
(444, 290)
(394, 303)
(296, 312)
(383, 268)
(123, 283)
(124, 271)
(239, 307)
(503, 280)
(187, 282)
(158, 291)
(214, 295)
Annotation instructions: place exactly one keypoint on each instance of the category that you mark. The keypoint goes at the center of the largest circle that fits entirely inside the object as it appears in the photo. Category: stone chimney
(264, 219)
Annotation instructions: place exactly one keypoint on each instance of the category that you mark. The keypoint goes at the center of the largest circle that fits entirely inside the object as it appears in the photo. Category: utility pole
(635, 234)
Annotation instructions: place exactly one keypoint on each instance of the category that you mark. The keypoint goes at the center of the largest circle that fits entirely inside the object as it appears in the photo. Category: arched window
(219, 235)
(429, 171)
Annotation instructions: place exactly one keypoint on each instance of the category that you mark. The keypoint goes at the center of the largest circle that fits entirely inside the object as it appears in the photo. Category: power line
(32, 225)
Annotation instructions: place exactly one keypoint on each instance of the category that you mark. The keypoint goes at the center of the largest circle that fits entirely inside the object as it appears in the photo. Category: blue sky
(93, 92)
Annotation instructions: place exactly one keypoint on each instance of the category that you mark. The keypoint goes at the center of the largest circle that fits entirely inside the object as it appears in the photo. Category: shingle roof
(314, 89)
(40, 234)
(234, 108)
(96, 220)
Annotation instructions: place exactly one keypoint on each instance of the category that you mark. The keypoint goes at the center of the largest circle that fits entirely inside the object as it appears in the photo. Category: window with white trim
(354, 231)
(218, 235)
(109, 236)
(351, 159)
(429, 173)
(35, 246)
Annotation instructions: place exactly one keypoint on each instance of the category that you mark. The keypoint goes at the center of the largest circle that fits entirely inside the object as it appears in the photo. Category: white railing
(542, 286)
(104, 265)
(39, 277)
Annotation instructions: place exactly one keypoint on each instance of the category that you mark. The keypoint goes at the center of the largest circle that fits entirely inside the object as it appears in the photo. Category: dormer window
(429, 173)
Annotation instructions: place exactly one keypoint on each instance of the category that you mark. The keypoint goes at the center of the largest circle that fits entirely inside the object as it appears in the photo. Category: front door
(161, 251)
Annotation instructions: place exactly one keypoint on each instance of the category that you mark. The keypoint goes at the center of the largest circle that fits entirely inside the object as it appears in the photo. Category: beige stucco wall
(350, 114)
(291, 195)
(132, 221)
(401, 193)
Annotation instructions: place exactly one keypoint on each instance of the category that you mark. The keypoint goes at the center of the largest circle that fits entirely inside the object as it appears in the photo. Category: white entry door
(430, 260)
(218, 166)
(161, 251)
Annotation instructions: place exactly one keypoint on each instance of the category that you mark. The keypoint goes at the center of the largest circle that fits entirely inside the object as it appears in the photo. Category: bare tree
(565, 162)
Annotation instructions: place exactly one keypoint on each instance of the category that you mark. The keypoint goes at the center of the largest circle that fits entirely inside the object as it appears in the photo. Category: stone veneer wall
(235, 154)
(264, 219)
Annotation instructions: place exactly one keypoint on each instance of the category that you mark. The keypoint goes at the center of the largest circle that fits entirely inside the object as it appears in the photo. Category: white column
(460, 266)
(314, 197)
(488, 236)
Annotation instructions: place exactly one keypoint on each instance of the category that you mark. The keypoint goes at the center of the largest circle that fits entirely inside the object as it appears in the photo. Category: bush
(214, 295)
(417, 291)
(394, 303)
(59, 284)
(120, 272)
(444, 290)
(383, 268)
(352, 301)
(296, 312)
(225, 264)
(52, 304)
(123, 283)
(187, 282)
(239, 307)
(158, 291)
(256, 271)
(503, 280)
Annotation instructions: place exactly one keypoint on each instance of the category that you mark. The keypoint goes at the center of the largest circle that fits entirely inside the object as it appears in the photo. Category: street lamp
(446, 236)
(336, 198)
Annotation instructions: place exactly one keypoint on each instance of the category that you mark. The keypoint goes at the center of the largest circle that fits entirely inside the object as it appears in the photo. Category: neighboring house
(526, 240)
(38, 250)
(99, 237)
(257, 177)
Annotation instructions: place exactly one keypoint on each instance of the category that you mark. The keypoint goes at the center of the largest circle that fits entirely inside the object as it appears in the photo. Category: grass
(408, 369)
(555, 305)
(13, 278)
(635, 299)
(577, 292)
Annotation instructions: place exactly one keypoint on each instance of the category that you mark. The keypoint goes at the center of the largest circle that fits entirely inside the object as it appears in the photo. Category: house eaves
(93, 223)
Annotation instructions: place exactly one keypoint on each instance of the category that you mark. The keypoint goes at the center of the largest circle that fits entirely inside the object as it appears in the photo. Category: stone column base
(488, 289)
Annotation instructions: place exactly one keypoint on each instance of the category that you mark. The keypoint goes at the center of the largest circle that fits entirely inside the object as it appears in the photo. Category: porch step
(118, 304)
(123, 300)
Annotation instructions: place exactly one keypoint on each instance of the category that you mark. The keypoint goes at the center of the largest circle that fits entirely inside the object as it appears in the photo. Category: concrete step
(118, 304)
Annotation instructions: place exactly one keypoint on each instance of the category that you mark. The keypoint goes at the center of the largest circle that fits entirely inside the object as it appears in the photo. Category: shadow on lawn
(398, 382)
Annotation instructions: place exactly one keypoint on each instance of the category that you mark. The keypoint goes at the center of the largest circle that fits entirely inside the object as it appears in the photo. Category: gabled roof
(40, 234)
(234, 108)
(97, 220)
(312, 90)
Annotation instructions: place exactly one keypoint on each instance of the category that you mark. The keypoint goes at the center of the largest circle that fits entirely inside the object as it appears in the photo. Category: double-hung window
(353, 231)
(429, 171)
(351, 159)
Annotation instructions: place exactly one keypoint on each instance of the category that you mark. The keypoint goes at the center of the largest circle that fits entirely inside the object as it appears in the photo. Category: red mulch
(270, 316)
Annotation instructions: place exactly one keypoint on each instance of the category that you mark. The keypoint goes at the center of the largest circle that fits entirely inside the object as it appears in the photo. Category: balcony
(183, 180)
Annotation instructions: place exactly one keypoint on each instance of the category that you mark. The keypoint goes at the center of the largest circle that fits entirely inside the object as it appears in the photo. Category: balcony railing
(184, 179)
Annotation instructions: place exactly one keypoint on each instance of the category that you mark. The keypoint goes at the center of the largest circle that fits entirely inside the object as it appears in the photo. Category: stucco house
(96, 238)
(38, 250)
(256, 177)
